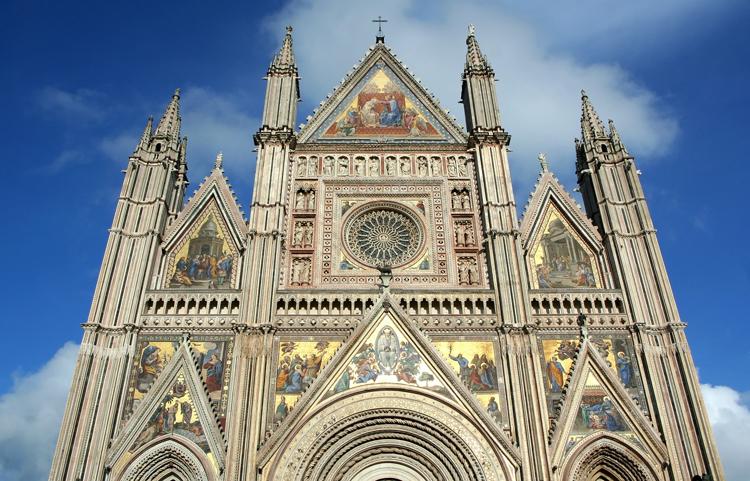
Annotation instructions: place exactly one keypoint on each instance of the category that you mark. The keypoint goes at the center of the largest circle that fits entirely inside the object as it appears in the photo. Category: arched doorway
(609, 459)
(381, 433)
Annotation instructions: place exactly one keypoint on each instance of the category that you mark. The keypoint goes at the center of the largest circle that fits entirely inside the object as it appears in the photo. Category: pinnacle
(284, 60)
(169, 125)
(474, 57)
(591, 125)
(147, 133)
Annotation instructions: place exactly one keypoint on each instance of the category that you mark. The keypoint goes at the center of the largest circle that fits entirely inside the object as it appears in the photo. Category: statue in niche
(462, 171)
(359, 166)
(437, 166)
(301, 271)
(405, 166)
(301, 167)
(468, 273)
(297, 238)
(307, 234)
(310, 200)
(464, 234)
(452, 167)
(374, 167)
(312, 166)
(299, 200)
(465, 200)
(390, 166)
(455, 200)
(422, 166)
(328, 166)
(343, 166)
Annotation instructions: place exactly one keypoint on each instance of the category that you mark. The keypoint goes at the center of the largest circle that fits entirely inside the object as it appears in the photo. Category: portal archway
(167, 459)
(380, 433)
(605, 458)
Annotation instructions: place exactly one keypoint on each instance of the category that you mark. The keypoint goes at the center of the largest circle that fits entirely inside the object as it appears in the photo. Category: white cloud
(216, 122)
(30, 416)
(539, 53)
(730, 419)
(119, 147)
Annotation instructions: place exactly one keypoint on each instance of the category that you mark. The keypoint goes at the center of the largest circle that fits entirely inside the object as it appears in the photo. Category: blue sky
(79, 80)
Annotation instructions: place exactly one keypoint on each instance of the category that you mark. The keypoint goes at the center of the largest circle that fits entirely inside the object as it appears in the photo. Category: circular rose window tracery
(383, 235)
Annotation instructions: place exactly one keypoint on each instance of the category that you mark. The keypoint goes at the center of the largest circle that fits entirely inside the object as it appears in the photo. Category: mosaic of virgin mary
(381, 109)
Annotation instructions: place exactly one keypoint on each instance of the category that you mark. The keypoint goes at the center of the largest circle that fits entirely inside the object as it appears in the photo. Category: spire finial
(284, 61)
(219, 162)
(380, 38)
(591, 125)
(169, 125)
(543, 162)
(474, 58)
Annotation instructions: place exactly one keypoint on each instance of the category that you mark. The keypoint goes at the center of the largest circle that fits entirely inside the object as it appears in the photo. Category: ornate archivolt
(605, 457)
(350, 434)
(164, 458)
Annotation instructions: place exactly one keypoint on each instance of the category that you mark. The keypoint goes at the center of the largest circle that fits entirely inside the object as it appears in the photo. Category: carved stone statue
(405, 166)
(390, 166)
(343, 166)
(374, 168)
(328, 166)
(437, 166)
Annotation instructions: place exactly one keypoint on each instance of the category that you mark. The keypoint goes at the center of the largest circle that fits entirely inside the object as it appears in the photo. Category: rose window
(384, 236)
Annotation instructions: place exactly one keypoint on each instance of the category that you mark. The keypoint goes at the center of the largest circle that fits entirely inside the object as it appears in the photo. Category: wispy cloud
(80, 104)
(30, 416)
(216, 122)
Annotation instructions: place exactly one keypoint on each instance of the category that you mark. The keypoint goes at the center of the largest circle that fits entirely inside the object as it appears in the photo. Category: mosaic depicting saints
(206, 261)
(560, 261)
(474, 362)
(152, 356)
(176, 414)
(558, 356)
(381, 108)
(597, 412)
(300, 363)
(387, 358)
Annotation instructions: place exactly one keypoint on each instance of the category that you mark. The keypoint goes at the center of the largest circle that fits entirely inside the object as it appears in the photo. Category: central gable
(381, 101)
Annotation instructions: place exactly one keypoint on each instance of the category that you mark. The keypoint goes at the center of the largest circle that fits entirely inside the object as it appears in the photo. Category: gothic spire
(284, 61)
(169, 125)
(591, 126)
(475, 60)
(148, 131)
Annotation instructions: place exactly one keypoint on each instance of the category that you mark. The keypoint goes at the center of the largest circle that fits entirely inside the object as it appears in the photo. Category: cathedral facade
(383, 313)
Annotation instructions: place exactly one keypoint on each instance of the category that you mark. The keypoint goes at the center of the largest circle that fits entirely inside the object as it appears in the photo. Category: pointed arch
(608, 458)
(417, 428)
(167, 459)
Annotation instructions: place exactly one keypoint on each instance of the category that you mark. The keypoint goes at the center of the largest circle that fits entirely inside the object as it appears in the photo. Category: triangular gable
(177, 405)
(381, 100)
(214, 189)
(386, 349)
(204, 243)
(597, 404)
(563, 249)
